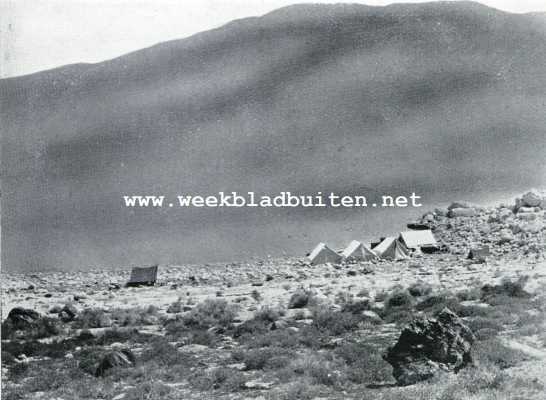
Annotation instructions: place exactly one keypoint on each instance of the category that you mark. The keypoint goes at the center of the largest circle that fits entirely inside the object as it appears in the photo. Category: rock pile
(508, 230)
(428, 346)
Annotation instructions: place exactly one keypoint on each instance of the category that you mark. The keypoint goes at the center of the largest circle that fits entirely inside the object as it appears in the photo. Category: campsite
(329, 325)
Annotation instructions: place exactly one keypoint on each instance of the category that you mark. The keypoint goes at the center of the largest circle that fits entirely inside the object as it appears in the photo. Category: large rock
(23, 318)
(428, 346)
(28, 324)
(115, 358)
(532, 199)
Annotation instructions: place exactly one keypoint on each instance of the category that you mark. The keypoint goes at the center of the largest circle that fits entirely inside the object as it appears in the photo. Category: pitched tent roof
(358, 251)
(391, 248)
(416, 239)
(143, 276)
(322, 254)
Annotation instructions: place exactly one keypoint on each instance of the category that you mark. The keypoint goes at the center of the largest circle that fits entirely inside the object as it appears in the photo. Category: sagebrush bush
(301, 298)
(494, 352)
(419, 289)
(92, 318)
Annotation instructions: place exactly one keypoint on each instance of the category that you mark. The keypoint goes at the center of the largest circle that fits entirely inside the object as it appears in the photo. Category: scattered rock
(428, 346)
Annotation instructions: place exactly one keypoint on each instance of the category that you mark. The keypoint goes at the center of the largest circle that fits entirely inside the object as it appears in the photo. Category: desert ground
(285, 329)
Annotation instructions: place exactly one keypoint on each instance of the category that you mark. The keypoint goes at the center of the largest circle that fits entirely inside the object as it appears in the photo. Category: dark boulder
(115, 358)
(68, 313)
(427, 346)
(22, 318)
(28, 323)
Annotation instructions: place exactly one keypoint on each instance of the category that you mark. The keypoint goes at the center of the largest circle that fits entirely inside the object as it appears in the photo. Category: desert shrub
(494, 352)
(343, 298)
(218, 378)
(468, 294)
(162, 352)
(398, 307)
(366, 365)
(92, 318)
(399, 298)
(322, 369)
(281, 338)
(89, 358)
(135, 316)
(251, 327)
(175, 307)
(479, 379)
(260, 322)
(269, 314)
(477, 323)
(149, 390)
(202, 337)
(258, 359)
(471, 311)
(435, 303)
(44, 376)
(356, 307)
(209, 313)
(333, 322)
(506, 288)
(485, 333)
(301, 298)
(125, 335)
(419, 289)
(301, 389)
(33, 348)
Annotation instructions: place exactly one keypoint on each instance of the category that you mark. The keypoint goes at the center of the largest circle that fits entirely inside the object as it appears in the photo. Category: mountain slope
(434, 98)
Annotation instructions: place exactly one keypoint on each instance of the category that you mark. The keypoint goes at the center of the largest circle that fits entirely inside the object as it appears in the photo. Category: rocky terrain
(436, 326)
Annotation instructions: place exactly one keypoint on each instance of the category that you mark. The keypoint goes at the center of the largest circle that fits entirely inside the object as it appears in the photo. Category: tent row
(390, 248)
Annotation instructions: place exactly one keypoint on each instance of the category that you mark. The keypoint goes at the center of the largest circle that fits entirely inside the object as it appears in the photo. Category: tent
(358, 251)
(479, 253)
(143, 276)
(391, 248)
(322, 254)
(416, 239)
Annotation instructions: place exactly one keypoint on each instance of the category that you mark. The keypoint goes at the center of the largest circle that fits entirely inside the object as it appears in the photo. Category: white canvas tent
(417, 239)
(358, 251)
(392, 249)
(322, 254)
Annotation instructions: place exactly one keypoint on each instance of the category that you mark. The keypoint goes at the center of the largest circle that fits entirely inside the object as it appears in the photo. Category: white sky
(42, 34)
